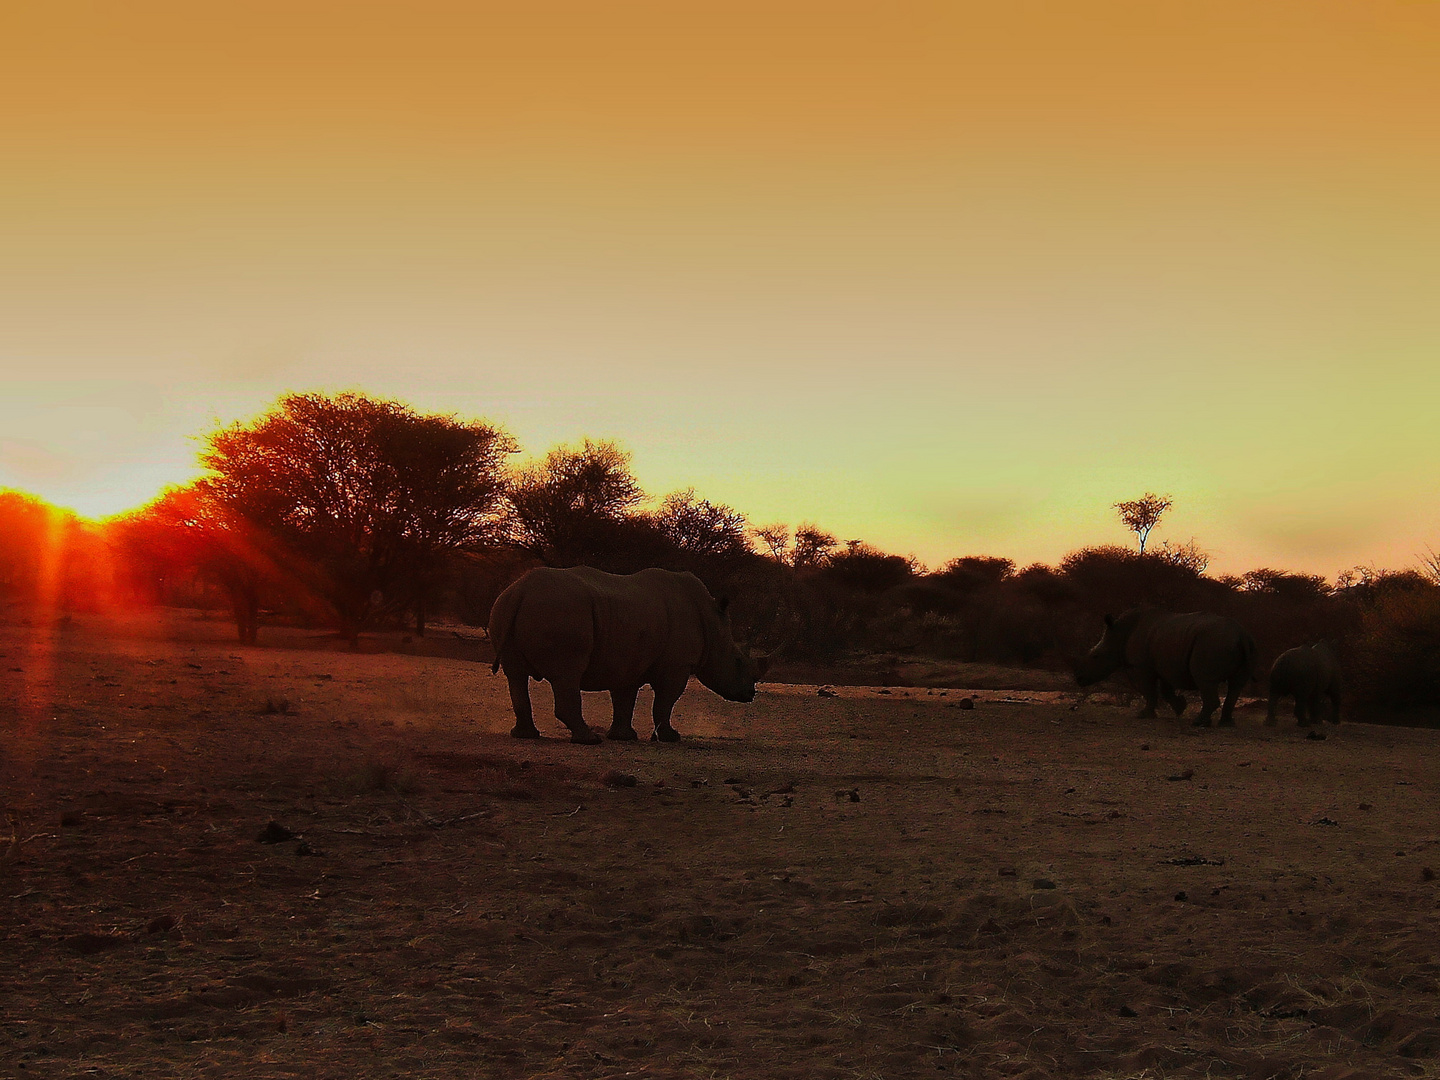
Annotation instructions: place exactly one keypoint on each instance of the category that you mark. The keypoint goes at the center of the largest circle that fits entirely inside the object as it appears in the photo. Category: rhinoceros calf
(1166, 653)
(1309, 674)
(584, 629)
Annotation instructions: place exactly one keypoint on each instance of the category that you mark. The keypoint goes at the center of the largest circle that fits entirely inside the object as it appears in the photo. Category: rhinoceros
(1167, 652)
(1308, 673)
(584, 629)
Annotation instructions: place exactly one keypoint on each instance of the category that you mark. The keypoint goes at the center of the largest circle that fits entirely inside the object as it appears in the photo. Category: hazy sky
(953, 278)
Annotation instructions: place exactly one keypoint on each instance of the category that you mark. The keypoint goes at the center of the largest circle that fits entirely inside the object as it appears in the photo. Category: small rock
(1145, 746)
(1316, 736)
(274, 833)
(1126, 1010)
(825, 691)
(302, 849)
(161, 924)
(882, 691)
(1188, 774)
(1042, 883)
(70, 821)
(1324, 821)
(965, 703)
(89, 944)
(1365, 806)
(1426, 874)
(1181, 896)
(613, 778)
(1009, 871)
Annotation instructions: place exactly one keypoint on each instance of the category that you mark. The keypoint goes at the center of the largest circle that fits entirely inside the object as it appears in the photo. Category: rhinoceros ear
(1109, 620)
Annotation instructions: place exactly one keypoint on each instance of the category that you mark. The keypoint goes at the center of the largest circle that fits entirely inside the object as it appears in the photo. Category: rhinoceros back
(1193, 648)
(607, 630)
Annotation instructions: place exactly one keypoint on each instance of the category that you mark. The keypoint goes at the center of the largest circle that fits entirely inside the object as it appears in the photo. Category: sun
(103, 493)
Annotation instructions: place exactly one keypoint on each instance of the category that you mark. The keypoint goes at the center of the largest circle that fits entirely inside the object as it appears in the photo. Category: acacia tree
(776, 538)
(811, 548)
(698, 527)
(575, 506)
(366, 494)
(189, 531)
(1189, 555)
(1143, 514)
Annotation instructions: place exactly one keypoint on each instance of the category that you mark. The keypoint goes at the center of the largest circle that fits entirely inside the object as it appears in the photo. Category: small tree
(1143, 514)
(776, 538)
(1189, 555)
(812, 547)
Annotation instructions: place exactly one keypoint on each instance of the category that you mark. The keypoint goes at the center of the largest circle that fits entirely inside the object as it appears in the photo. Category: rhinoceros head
(727, 668)
(1108, 655)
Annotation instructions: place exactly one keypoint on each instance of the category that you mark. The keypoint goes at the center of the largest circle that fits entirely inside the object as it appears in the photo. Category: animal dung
(274, 833)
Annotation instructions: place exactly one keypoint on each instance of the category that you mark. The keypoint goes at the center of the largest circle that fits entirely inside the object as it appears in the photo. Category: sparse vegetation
(356, 513)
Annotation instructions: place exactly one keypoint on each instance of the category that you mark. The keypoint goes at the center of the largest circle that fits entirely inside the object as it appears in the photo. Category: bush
(1395, 660)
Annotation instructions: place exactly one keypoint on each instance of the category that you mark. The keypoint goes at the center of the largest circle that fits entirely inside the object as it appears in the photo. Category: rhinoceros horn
(763, 660)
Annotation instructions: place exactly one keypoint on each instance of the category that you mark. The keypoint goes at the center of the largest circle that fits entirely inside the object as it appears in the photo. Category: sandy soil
(871, 884)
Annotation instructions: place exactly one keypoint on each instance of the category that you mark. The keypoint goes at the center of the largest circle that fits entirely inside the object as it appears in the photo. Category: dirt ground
(878, 883)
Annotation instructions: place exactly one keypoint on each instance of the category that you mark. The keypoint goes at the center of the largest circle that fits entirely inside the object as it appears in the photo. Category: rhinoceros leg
(1270, 718)
(1150, 687)
(1302, 713)
(1175, 700)
(667, 693)
(1334, 716)
(568, 711)
(1233, 686)
(520, 700)
(1209, 702)
(622, 727)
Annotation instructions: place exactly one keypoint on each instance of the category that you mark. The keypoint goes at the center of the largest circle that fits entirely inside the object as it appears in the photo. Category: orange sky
(950, 277)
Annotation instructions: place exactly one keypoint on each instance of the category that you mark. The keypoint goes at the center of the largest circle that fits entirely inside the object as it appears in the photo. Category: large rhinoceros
(1309, 673)
(1166, 653)
(584, 629)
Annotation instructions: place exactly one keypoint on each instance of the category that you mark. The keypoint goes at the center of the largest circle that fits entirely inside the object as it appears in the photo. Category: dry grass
(1001, 901)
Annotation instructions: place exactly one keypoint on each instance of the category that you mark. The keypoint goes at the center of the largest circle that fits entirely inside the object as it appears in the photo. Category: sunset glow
(953, 278)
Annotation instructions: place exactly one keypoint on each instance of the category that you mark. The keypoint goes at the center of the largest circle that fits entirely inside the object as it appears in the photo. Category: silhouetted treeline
(358, 514)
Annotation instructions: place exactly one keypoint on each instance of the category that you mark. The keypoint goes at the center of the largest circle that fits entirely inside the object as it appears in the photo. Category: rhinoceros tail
(502, 621)
(1251, 653)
